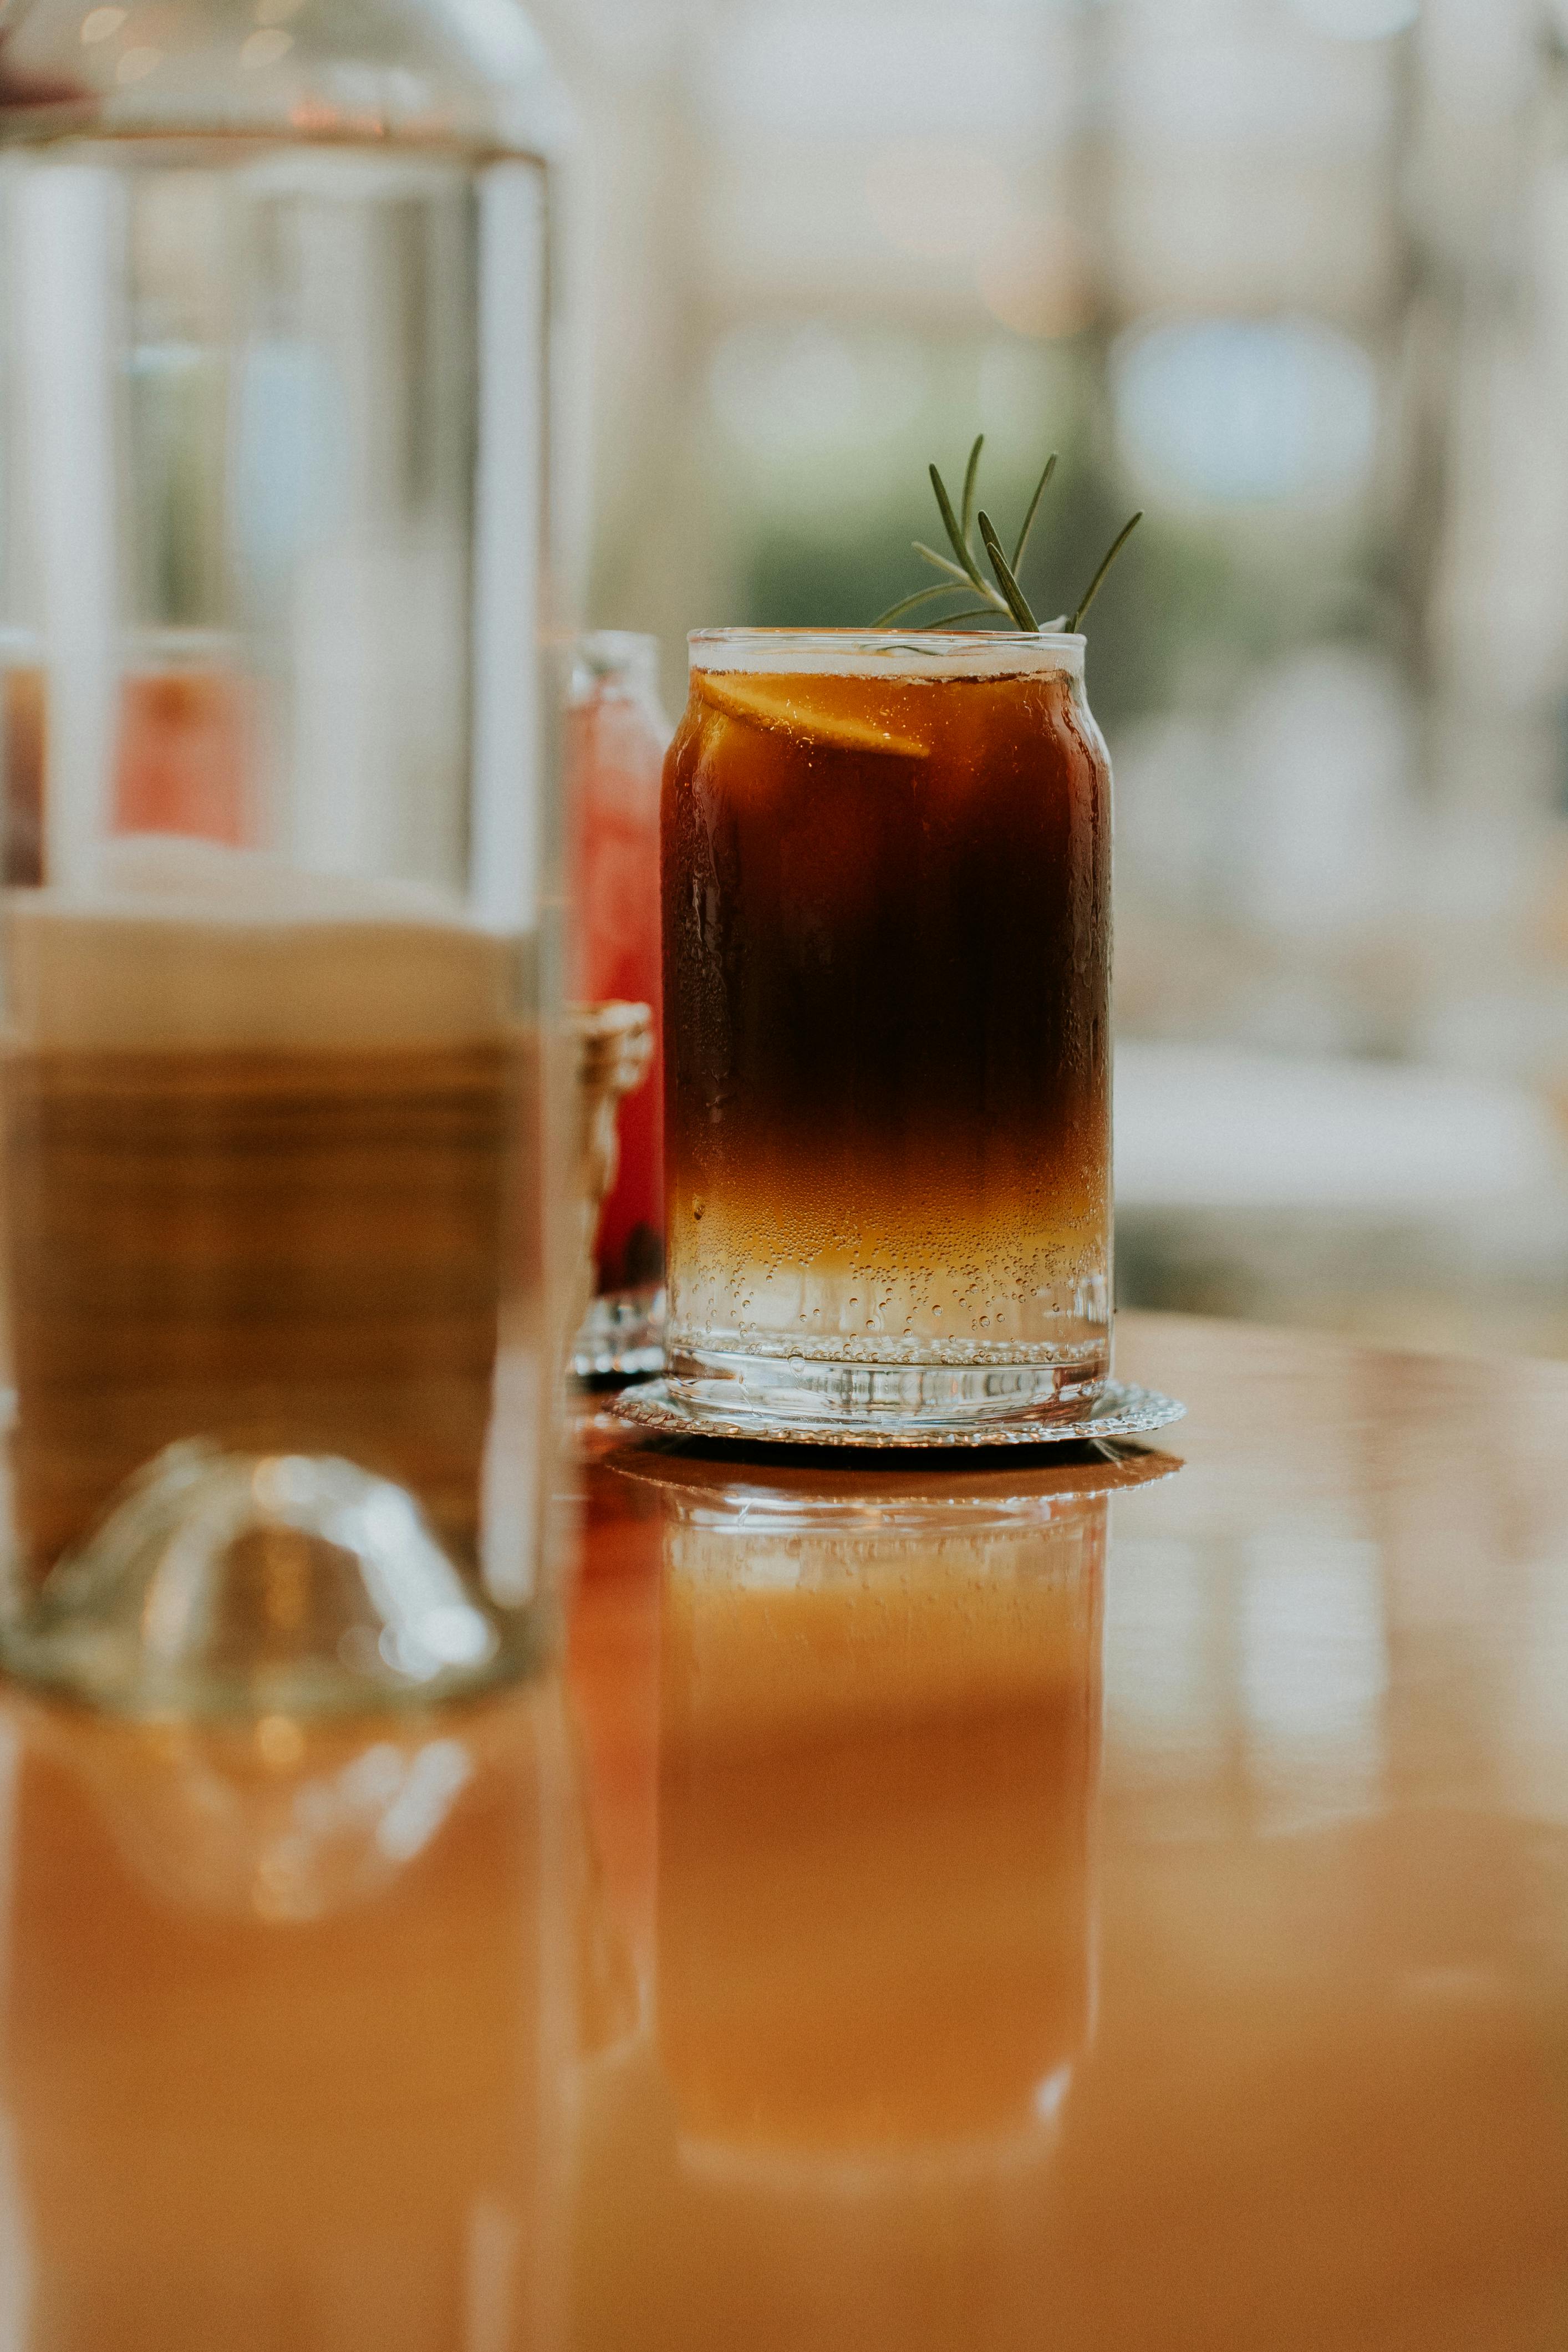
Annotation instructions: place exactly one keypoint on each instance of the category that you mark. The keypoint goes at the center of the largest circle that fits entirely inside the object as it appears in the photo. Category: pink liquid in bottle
(183, 754)
(617, 737)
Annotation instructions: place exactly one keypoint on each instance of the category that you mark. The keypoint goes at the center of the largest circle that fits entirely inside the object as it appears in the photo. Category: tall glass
(887, 943)
(275, 1016)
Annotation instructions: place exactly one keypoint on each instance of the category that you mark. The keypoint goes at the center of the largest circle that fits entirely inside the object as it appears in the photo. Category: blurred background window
(1293, 275)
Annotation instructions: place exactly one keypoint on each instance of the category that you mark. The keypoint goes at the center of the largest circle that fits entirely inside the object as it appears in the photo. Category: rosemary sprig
(940, 563)
(1040, 488)
(1092, 591)
(920, 596)
(970, 472)
(1018, 603)
(969, 576)
(1006, 600)
(961, 546)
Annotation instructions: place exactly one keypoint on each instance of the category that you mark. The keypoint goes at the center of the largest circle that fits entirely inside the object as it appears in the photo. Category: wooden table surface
(1111, 1903)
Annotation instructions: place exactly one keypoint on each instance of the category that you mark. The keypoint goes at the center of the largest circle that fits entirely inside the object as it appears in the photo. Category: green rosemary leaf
(950, 524)
(962, 579)
(1017, 604)
(970, 472)
(1034, 505)
(920, 596)
(1092, 591)
(961, 570)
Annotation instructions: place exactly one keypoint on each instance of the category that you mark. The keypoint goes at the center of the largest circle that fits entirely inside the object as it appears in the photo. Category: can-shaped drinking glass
(886, 876)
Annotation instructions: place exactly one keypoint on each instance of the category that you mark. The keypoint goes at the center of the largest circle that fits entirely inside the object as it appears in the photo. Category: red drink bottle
(618, 739)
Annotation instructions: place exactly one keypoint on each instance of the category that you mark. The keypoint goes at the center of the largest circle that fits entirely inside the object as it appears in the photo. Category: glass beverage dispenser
(276, 1024)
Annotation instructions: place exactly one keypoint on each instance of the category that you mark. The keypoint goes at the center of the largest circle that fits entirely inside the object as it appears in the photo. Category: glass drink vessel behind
(616, 737)
(274, 1023)
(887, 928)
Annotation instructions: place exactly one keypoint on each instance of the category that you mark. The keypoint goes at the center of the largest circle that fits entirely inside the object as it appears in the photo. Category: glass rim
(873, 653)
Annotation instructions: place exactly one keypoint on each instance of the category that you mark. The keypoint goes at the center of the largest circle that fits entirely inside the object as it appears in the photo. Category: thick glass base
(230, 1584)
(907, 1395)
(621, 1337)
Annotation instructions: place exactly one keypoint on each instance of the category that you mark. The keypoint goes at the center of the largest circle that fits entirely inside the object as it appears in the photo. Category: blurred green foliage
(1191, 606)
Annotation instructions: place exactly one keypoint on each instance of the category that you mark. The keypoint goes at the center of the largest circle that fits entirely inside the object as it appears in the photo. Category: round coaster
(1121, 1410)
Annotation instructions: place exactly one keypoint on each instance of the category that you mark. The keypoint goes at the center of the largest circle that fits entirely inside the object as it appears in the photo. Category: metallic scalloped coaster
(1121, 1410)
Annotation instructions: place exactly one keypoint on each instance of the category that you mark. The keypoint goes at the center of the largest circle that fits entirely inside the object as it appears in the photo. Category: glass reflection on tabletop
(287, 2022)
(874, 1964)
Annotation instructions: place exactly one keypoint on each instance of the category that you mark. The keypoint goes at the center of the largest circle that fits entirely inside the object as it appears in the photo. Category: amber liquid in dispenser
(887, 928)
(273, 1237)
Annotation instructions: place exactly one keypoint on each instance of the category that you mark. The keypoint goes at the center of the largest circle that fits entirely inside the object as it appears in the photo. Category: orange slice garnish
(757, 704)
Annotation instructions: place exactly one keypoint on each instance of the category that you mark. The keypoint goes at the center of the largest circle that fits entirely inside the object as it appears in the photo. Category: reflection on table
(285, 2028)
(1114, 1903)
(872, 1972)
(1296, 1952)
